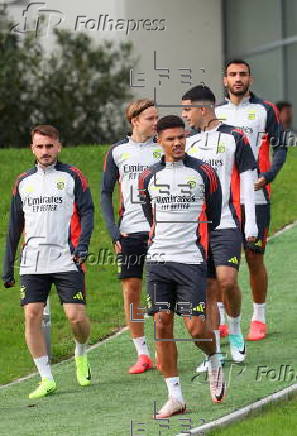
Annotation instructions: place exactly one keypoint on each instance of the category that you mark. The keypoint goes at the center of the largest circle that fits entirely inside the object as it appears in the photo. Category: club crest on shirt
(252, 115)
(192, 182)
(29, 188)
(157, 154)
(125, 155)
(60, 185)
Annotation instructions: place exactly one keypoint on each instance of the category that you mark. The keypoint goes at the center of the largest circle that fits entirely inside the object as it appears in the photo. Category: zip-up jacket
(53, 208)
(124, 162)
(182, 203)
(260, 122)
(227, 150)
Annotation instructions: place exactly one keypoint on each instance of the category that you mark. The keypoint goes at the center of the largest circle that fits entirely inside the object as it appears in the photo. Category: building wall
(265, 34)
(192, 39)
(189, 37)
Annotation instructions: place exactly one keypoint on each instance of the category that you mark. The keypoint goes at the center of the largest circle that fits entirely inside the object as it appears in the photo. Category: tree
(79, 87)
(19, 67)
(86, 86)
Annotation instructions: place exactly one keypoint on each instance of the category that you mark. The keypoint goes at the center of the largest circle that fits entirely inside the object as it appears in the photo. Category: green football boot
(45, 387)
(83, 372)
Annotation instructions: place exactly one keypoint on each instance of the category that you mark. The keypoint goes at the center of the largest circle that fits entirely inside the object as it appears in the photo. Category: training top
(177, 199)
(53, 208)
(227, 150)
(124, 162)
(260, 122)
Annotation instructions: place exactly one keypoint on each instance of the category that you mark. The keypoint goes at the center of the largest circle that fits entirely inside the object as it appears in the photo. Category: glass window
(268, 74)
(290, 18)
(291, 79)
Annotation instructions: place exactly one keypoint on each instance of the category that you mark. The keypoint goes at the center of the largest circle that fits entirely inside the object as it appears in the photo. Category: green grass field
(107, 407)
(115, 399)
(273, 421)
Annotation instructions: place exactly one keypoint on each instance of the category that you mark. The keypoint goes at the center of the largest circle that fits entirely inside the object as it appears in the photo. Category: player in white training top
(124, 162)
(260, 121)
(227, 150)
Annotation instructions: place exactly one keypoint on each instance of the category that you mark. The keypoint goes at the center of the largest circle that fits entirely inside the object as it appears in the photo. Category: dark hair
(169, 122)
(200, 93)
(46, 130)
(237, 61)
(281, 104)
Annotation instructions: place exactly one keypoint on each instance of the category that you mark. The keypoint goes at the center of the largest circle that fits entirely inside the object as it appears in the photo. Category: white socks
(259, 312)
(141, 345)
(214, 362)
(234, 325)
(44, 367)
(80, 349)
(218, 341)
(174, 388)
(221, 308)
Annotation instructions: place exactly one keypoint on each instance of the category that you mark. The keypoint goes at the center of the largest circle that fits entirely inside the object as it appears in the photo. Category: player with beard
(260, 122)
(52, 206)
(124, 162)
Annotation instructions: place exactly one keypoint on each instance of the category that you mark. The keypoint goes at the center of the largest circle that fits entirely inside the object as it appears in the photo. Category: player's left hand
(9, 284)
(80, 257)
(260, 183)
(251, 239)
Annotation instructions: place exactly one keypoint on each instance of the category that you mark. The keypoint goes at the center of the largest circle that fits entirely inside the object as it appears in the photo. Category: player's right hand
(117, 247)
(9, 284)
(117, 244)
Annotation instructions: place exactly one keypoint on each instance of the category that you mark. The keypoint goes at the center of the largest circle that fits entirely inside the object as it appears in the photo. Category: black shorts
(133, 254)
(263, 221)
(176, 287)
(70, 285)
(225, 246)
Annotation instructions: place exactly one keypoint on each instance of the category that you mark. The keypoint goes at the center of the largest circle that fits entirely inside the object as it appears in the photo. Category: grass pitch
(116, 400)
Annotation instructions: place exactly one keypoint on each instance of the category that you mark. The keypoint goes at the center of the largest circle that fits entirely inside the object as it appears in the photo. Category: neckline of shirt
(148, 142)
(177, 164)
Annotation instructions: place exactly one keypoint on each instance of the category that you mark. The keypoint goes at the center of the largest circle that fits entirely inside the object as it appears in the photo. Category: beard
(238, 93)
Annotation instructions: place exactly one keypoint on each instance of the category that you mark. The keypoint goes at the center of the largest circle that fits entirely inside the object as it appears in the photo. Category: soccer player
(179, 195)
(259, 120)
(124, 162)
(228, 152)
(285, 113)
(52, 206)
(286, 117)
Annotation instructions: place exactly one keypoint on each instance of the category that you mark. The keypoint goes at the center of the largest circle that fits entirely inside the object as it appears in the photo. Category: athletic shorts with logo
(263, 220)
(70, 285)
(225, 246)
(132, 256)
(176, 287)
